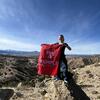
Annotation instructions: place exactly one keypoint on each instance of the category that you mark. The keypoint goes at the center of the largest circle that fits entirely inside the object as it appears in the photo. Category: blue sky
(25, 24)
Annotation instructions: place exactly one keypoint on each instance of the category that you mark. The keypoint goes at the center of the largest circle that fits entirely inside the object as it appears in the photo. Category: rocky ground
(19, 80)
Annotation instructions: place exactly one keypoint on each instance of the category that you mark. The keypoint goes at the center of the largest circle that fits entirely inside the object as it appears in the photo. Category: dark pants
(63, 74)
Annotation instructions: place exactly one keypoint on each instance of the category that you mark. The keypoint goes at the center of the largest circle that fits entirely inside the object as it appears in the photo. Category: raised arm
(69, 48)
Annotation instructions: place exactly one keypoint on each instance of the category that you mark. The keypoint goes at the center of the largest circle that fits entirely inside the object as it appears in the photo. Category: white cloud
(88, 48)
(77, 47)
(6, 43)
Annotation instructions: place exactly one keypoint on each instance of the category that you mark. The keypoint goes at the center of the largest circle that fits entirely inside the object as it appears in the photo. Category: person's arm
(56, 43)
(69, 48)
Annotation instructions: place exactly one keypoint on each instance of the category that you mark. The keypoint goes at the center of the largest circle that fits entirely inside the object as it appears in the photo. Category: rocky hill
(19, 80)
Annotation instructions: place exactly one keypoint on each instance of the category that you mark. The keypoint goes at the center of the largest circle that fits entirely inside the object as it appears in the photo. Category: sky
(26, 24)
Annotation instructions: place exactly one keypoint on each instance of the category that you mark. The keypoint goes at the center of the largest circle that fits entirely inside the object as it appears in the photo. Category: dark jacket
(63, 57)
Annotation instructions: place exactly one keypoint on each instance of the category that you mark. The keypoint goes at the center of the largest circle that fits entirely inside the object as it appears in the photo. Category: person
(63, 67)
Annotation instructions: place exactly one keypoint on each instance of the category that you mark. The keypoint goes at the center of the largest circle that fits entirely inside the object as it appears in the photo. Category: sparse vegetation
(16, 70)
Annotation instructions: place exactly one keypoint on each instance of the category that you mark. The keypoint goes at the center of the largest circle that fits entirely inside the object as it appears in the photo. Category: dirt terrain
(19, 80)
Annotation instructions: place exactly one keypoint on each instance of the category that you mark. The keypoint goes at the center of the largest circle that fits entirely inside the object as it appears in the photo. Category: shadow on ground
(6, 94)
(76, 92)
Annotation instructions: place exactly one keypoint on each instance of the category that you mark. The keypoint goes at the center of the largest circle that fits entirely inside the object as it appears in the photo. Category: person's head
(61, 38)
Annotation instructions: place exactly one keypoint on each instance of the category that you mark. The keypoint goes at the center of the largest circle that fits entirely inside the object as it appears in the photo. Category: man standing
(63, 67)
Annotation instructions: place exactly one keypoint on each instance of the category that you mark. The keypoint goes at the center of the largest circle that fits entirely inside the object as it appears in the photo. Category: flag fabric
(48, 61)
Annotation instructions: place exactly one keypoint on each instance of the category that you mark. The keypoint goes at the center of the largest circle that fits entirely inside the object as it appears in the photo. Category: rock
(56, 90)
(75, 62)
(80, 62)
(6, 94)
(22, 72)
(94, 92)
(16, 69)
(91, 75)
(98, 97)
(19, 85)
(42, 84)
(24, 68)
(43, 92)
(19, 94)
(88, 72)
(97, 65)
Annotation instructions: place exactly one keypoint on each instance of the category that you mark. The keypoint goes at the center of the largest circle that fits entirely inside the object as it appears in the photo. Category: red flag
(49, 57)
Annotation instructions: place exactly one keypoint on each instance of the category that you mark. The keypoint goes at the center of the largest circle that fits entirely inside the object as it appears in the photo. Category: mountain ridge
(19, 53)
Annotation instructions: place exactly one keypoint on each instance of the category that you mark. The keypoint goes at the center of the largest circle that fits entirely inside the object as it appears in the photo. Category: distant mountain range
(19, 53)
(36, 53)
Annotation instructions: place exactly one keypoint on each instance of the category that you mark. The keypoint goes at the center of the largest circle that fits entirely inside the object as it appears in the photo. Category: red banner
(48, 61)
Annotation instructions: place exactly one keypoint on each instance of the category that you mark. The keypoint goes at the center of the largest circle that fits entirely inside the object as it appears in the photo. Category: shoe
(56, 78)
(65, 82)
